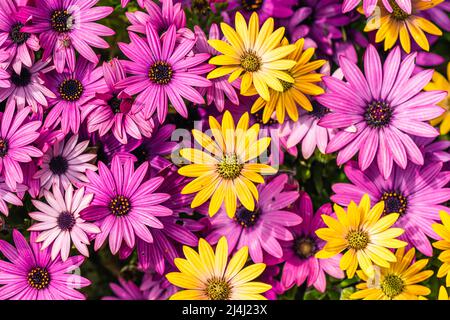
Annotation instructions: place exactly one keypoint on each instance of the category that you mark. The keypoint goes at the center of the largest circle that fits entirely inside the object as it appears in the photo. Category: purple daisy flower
(66, 26)
(439, 15)
(30, 274)
(108, 147)
(377, 113)
(125, 290)
(124, 206)
(301, 265)
(264, 8)
(73, 90)
(416, 193)
(261, 229)
(111, 111)
(162, 71)
(157, 287)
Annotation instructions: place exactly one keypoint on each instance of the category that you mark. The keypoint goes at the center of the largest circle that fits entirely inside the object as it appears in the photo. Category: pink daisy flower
(9, 196)
(124, 3)
(370, 5)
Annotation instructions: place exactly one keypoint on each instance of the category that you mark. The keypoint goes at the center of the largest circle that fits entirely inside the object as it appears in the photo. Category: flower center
(3, 147)
(259, 119)
(120, 206)
(58, 165)
(66, 221)
(141, 154)
(200, 6)
(230, 167)
(160, 73)
(394, 203)
(397, 12)
(16, 36)
(115, 103)
(61, 21)
(251, 5)
(38, 278)
(286, 85)
(392, 285)
(250, 62)
(23, 79)
(318, 110)
(71, 90)
(378, 114)
(357, 240)
(245, 217)
(305, 247)
(218, 289)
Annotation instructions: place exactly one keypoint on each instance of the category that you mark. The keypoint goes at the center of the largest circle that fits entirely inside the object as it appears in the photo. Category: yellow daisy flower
(439, 82)
(293, 94)
(225, 172)
(398, 24)
(443, 294)
(255, 53)
(363, 233)
(206, 275)
(397, 282)
(443, 230)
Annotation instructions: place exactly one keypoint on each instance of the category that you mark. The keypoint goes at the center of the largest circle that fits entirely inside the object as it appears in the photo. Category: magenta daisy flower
(16, 136)
(59, 223)
(264, 8)
(416, 193)
(124, 3)
(9, 196)
(73, 90)
(370, 5)
(66, 26)
(125, 290)
(111, 111)
(301, 265)
(108, 147)
(124, 206)
(30, 274)
(65, 164)
(163, 71)
(261, 229)
(379, 112)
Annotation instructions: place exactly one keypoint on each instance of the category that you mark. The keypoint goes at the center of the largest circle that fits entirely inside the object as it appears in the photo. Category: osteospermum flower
(255, 53)
(363, 233)
(226, 173)
(443, 230)
(59, 223)
(399, 24)
(264, 8)
(379, 112)
(216, 279)
(66, 27)
(162, 71)
(293, 94)
(30, 273)
(65, 164)
(124, 206)
(400, 281)
(8, 196)
(370, 5)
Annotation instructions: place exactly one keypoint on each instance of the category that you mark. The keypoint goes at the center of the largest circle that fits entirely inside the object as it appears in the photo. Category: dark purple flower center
(160, 72)
(252, 5)
(378, 114)
(71, 89)
(66, 221)
(23, 79)
(259, 119)
(394, 202)
(61, 21)
(305, 247)
(16, 36)
(245, 217)
(120, 206)
(38, 278)
(141, 153)
(58, 165)
(114, 104)
(3, 147)
(318, 110)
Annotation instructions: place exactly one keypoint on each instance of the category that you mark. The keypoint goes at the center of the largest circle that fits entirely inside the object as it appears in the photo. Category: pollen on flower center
(252, 5)
(397, 12)
(218, 289)
(305, 247)
(230, 167)
(58, 165)
(66, 221)
(378, 114)
(245, 217)
(38, 278)
(3, 147)
(61, 21)
(23, 79)
(250, 62)
(286, 85)
(160, 72)
(357, 240)
(120, 206)
(16, 35)
(394, 202)
(392, 285)
(259, 119)
(71, 90)
(318, 110)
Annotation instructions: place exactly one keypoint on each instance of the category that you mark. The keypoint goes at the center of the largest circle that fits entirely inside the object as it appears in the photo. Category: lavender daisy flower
(124, 206)
(59, 223)
(66, 26)
(65, 164)
(416, 193)
(377, 113)
(111, 111)
(301, 265)
(30, 274)
(264, 8)
(163, 71)
(261, 229)
(73, 91)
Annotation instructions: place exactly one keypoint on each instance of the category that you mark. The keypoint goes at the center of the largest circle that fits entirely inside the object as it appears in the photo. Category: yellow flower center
(305, 247)
(392, 285)
(230, 167)
(218, 289)
(397, 12)
(250, 62)
(358, 240)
